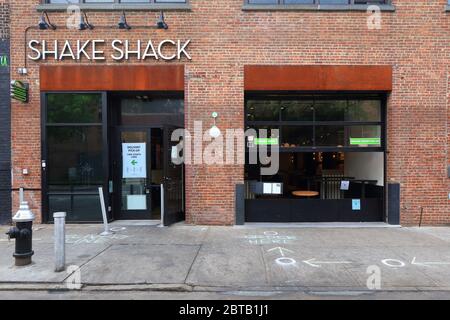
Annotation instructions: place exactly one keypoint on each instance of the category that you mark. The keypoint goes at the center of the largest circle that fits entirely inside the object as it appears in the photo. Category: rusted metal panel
(318, 78)
(112, 78)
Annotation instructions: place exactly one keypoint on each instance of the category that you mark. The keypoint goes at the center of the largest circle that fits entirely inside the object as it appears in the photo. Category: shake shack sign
(118, 50)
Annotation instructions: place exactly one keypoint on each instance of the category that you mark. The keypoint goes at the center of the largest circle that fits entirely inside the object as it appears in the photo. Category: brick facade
(414, 40)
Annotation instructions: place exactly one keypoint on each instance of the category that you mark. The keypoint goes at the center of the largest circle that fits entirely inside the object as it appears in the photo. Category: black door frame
(168, 217)
(116, 174)
(109, 154)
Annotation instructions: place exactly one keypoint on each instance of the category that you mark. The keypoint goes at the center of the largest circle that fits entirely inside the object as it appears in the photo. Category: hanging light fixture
(161, 23)
(44, 22)
(215, 132)
(123, 24)
(84, 22)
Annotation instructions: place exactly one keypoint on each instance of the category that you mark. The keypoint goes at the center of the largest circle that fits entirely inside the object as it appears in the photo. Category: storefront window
(365, 136)
(331, 160)
(74, 148)
(74, 108)
(330, 136)
(321, 121)
(294, 137)
(363, 110)
(143, 110)
(295, 110)
(332, 110)
(114, 1)
(331, 2)
(263, 110)
(75, 157)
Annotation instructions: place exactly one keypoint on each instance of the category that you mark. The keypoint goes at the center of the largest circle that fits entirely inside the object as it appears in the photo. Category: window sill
(118, 7)
(314, 7)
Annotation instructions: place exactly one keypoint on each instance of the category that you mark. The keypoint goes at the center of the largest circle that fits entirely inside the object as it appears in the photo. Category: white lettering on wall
(53, 51)
(97, 54)
(160, 50)
(182, 49)
(67, 51)
(129, 51)
(81, 49)
(117, 49)
(151, 54)
(31, 45)
(121, 50)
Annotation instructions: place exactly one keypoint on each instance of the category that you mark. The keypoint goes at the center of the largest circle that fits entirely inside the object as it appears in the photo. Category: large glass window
(331, 2)
(146, 110)
(322, 121)
(74, 160)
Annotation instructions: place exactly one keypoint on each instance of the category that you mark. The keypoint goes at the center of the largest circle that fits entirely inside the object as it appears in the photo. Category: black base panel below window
(312, 210)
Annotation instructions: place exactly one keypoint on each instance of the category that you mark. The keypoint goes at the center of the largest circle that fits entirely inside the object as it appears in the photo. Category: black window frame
(352, 5)
(116, 5)
(46, 214)
(141, 2)
(279, 124)
(317, 2)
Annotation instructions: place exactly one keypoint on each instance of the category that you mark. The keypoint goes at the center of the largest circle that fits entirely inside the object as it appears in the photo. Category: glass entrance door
(135, 174)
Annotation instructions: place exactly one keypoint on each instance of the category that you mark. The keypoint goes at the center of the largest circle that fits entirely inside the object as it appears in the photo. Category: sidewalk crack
(87, 261)
(192, 264)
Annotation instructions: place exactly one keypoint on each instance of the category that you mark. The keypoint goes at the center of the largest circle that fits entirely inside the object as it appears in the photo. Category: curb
(62, 287)
(93, 288)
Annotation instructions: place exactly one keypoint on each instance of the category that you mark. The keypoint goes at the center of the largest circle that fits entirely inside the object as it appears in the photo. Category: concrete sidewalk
(236, 259)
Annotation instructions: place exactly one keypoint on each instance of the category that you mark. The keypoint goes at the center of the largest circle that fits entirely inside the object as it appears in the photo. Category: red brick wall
(414, 40)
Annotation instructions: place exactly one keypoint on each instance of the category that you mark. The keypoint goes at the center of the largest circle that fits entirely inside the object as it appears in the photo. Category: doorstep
(135, 223)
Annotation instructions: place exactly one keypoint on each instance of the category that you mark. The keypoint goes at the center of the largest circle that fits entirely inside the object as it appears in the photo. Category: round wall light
(214, 132)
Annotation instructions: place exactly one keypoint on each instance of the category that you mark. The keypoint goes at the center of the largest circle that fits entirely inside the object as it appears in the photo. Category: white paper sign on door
(134, 160)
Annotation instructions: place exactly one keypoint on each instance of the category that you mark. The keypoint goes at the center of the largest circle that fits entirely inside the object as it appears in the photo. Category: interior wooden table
(305, 193)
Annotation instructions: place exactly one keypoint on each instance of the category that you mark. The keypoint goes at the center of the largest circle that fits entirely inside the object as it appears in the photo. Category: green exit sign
(19, 91)
(266, 141)
(365, 141)
(3, 61)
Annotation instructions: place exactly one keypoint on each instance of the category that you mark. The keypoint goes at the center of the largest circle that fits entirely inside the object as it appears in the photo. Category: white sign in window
(134, 160)
(345, 185)
(136, 202)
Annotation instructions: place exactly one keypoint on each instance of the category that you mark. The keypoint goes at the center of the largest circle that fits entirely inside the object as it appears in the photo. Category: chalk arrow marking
(281, 250)
(317, 264)
(427, 264)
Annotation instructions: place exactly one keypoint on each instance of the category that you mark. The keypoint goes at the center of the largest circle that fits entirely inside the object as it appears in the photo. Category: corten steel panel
(112, 78)
(318, 78)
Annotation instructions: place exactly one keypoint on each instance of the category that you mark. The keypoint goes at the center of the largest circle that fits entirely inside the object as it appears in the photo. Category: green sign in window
(365, 141)
(4, 61)
(266, 141)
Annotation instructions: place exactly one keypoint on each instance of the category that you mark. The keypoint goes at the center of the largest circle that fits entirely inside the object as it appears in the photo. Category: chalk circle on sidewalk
(270, 233)
(283, 261)
(117, 229)
(393, 263)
